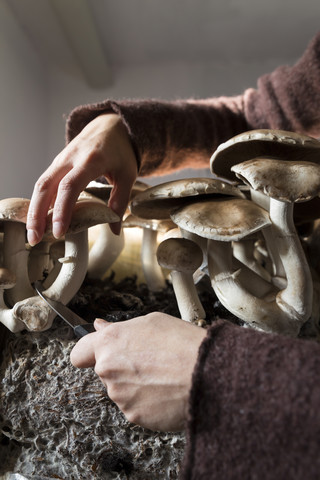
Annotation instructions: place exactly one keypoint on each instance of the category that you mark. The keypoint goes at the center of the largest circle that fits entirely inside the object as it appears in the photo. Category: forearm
(254, 407)
(167, 136)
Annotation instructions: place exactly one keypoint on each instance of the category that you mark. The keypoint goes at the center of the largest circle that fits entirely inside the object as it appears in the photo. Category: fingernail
(32, 237)
(57, 229)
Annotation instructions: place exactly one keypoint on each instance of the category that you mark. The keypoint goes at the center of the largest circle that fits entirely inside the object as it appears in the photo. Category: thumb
(99, 324)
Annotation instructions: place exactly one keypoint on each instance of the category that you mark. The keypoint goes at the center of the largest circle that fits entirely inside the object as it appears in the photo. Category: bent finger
(68, 192)
(42, 198)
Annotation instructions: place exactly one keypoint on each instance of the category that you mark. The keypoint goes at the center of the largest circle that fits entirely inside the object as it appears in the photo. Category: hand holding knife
(78, 324)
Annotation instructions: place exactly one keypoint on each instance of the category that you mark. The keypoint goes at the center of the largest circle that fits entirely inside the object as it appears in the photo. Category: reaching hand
(146, 365)
(103, 147)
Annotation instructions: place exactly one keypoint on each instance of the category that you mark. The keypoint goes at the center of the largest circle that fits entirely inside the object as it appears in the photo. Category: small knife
(79, 325)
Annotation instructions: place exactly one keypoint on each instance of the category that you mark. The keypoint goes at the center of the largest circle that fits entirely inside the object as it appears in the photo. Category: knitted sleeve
(167, 136)
(254, 407)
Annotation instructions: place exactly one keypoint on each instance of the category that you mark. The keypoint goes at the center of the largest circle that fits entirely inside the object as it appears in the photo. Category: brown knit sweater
(255, 399)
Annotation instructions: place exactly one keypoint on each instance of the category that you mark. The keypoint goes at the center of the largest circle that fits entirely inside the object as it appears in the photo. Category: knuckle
(66, 184)
(43, 183)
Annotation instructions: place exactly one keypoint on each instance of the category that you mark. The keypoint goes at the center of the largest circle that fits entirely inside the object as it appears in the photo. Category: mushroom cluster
(60, 265)
(256, 224)
(253, 229)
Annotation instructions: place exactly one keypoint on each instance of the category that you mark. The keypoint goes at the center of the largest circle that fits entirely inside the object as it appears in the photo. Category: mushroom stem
(243, 250)
(39, 261)
(152, 271)
(182, 257)
(278, 271)
(299, 289)
(16, 260)
(73, 270)
(33, 312)
(187, 296)
(104, 251)
(257, 311)
(7, 281)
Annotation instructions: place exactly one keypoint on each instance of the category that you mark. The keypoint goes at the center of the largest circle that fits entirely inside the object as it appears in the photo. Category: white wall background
(24, 102)
(35, 97)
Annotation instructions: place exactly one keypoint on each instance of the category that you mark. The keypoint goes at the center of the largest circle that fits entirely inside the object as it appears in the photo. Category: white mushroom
(39, 260)
(33, 311)
(285, 183)
(7, 281)
(242, 292)
(152, 271)
(182, 257)
(57, 257)
(106, 246)
(13, 215)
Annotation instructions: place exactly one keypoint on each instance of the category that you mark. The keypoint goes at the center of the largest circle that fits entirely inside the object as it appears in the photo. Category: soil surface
(58, 422)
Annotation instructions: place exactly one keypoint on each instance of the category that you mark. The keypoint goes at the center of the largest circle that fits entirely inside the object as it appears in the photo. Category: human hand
(146, 365)
(103, 147)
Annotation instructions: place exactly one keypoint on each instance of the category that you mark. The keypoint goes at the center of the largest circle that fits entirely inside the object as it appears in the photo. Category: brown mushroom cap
(86, 214)
(294, 181)
(179, 254)
(263, 143)
(14, 209)
(159, 200)
(222, 219)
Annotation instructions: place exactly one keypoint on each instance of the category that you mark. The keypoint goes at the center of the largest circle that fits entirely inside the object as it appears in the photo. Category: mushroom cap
(7, 278)
(159, 225)
(260, 143)
(14, 209)
(86, 214)
(159, 200)
(179, 254)
(99, 189)
(225, 219)
(103, 190)
(294, 181)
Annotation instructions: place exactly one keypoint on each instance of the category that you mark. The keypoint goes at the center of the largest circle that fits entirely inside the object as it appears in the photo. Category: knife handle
(82, 330)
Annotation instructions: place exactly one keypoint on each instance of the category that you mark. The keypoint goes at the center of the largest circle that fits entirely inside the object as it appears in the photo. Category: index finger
(42, 198)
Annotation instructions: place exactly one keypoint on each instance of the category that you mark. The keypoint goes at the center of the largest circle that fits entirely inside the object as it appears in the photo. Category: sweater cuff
(84, 114)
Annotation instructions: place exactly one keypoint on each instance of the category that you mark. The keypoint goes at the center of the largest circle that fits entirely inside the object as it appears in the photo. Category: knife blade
(78, 324)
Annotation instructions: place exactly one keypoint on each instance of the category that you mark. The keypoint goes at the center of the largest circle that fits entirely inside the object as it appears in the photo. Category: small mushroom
(183, 257)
